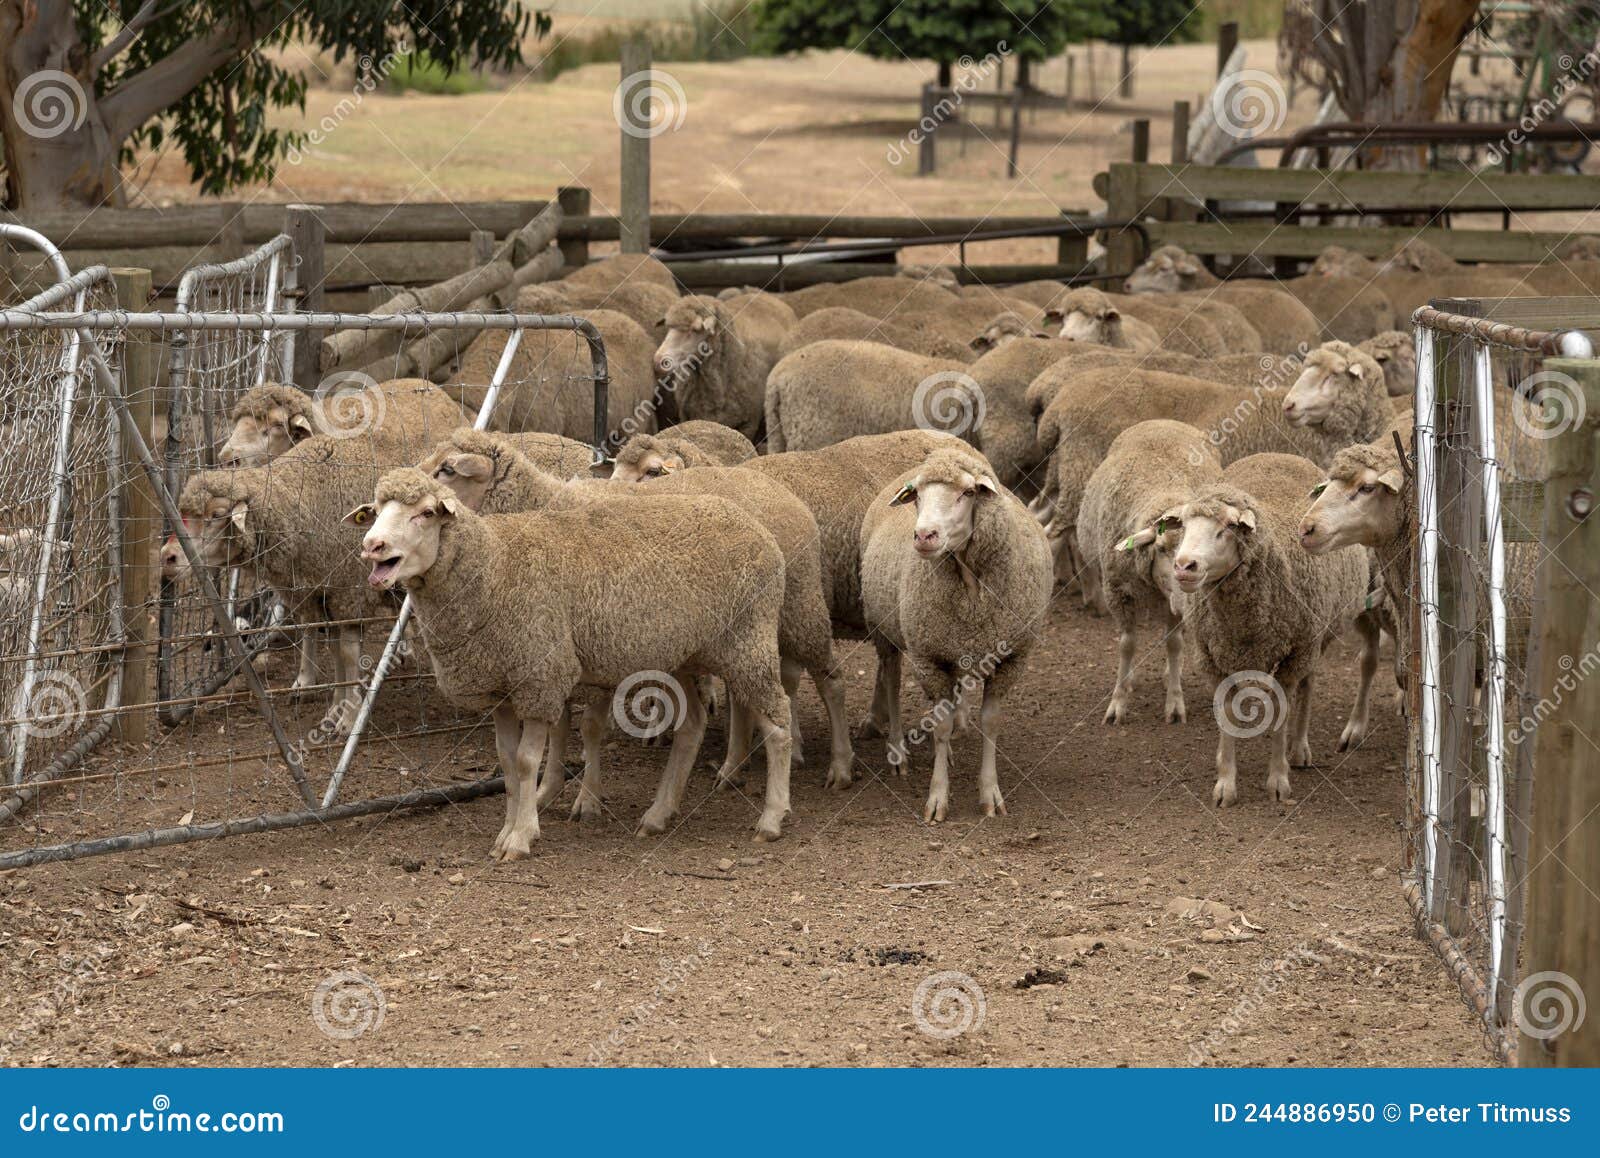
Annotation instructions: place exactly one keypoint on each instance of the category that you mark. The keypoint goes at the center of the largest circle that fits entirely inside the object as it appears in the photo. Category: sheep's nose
(1308, 529)
(664, 363)
(374, 548)
(227, 456)
(1288, 407)
(1183, 564)
(926, 538)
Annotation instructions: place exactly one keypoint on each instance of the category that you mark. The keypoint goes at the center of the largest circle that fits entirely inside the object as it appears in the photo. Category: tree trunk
(945, 74)
(57, 148)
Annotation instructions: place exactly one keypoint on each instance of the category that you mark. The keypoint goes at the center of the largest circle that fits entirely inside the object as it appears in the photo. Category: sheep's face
(685, 347)
(1362, 510)
(650, 464)
(1164, 273)
(1102, 327)
(1336, 261)
(1210, 546)
(1321, 384)
(945, 511)
(170, 559)
(403, 540)
(1004, 329)
(469, 476)
(1155, 546)
(218, 526)
(258, 439)
(1397, 358)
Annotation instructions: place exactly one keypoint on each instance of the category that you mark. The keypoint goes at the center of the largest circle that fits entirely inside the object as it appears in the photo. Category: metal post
(1428, 606)
(1227, 41)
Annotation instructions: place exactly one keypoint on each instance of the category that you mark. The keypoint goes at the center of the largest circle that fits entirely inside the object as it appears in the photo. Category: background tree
(1153, 22)
(939, 30)
(84, 84)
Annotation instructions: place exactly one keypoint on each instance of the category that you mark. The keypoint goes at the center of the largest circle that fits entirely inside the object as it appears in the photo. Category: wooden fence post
(1125, 88)
(1015, 146)
(1227, 41)
(1563, 912)
(574, 201)
(307, 232)
(1141, 141)
(141, 517)
(927, 159)
(635, 210)
(483, 247)
(1180, 132)
(1121, 205)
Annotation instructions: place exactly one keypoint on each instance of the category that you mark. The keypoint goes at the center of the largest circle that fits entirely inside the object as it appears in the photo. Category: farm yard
(778, 585)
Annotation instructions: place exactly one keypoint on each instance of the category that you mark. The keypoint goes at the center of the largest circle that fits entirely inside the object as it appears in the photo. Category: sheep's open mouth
(383, 570)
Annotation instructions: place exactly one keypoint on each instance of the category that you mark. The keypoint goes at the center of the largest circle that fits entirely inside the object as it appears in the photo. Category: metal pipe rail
(1351, 134)
(1562, 343)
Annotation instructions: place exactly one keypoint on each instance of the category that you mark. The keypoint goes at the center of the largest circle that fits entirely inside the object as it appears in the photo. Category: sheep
(762, 318)
(1283, 323)
(1337, 261)
(830, 391)
(1238, 335)
(284, 518)
(646, 302)
(1418, 272)
(877, 296)
(678, 448)
(1230, 369)
(548, 384)
(491, 477)
(621, 269)
(1003, 329)
(1007, 435)
(1038, 293)
(1151, 467)
(270, 419)
(1180, 327)
(1396, 352)
(714, 365)
(839, 323)
(1087, 315)
(955, 576)
(1350, 309)
(19, 551)
(1260, 611)
(518, 610)
(1585, 248)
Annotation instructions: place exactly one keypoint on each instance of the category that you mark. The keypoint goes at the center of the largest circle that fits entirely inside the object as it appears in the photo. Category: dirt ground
(1075, 922)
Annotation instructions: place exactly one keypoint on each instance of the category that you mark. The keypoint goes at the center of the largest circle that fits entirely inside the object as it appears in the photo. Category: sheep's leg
(592, 725)
(840, 757)
(307, 676)
(680, 760)
(1226, 790)
(989, 798)
(518, 843)
(1300, 749)
(731, 774)
(877, 721)
(1278, 758)
(889, 661)
(507, 735)
(1176, 713)
(790, 675)
(347, 669)
(553, 776)
(780, 747)
(1355, 729)
(933, 812)
(1117, 709)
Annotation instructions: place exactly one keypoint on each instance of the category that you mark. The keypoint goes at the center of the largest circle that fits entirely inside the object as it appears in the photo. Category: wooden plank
(574, 201)
(1460, 192)
(141, 516)
(636, 134)
(791, 226)
(708, 274)
(1270, 239)
(303, 224)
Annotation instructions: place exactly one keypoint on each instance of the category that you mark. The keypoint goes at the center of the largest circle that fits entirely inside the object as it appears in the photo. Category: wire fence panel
(302, 721)
(1486, 412)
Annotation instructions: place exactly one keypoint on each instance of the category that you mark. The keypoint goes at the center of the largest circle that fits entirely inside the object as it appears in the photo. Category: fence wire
(221, 757)
(1486, 411)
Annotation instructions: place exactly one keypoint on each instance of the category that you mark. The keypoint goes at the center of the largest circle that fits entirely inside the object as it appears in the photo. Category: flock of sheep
(894, 457)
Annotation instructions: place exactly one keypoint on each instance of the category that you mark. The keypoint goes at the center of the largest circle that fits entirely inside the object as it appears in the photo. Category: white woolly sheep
(1395, 351)
(621, 269)
(1283, 323)
(1260, 611)
(1002, 329)
(678, 448)
(646, 302)
(881, 297)
(408, 414)
(530, 579)
(1350, 309)
(840, 323)
(1087, 315)
(714, 363)
(1150, 468)
(955, 577)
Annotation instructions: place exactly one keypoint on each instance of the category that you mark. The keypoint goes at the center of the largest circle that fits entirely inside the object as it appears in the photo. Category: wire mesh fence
(285, 690)
(1487, 411)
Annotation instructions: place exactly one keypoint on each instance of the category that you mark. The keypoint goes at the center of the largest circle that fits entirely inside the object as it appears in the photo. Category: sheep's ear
(469, 465)
(1187, 266)
(1112, 314)
(986, 485)
(362, 516)
(672, 463)
(1392, 480)
(1141, 538)
(1040, 334)
(603, 468)
(1357, 370)
(710, 323)
(1247, 520)
(1054, 314)
(1316, 491)
(300, 427)
(907, 493)
(449, 506)
(981, 342)
(236, 516)
(661, 321)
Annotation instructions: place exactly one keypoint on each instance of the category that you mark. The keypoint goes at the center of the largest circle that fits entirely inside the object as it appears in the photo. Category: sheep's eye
(425, 513)
(1366, 488)
(970, 492)
(653, 472)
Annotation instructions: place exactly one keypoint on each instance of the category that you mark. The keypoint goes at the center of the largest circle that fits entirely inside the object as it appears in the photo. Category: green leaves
(938, 30)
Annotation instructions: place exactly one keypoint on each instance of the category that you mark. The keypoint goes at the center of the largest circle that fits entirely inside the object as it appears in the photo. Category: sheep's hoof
(1176, 712)
(1352, 736)
(585, 808)
(1116, 713)
(767, 832)
(992, 804)
(838, 777)
(1300, 756)
(934, 811)
(652, 825)
(871, 728)
(1223, 794)
(730, 778)
(1278, 788)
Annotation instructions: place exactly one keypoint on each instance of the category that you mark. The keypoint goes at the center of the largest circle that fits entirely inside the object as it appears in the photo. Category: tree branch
(153, 90)
(125, 36)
